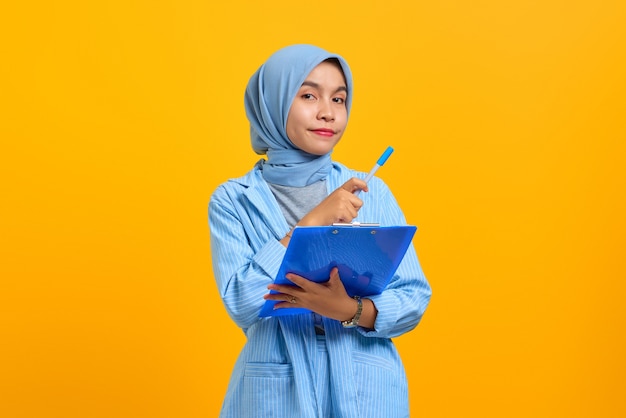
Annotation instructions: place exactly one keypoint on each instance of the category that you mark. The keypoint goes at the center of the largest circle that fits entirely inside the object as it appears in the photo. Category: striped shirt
(275, 374)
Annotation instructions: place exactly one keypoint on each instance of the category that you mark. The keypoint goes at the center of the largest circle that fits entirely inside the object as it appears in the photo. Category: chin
(320, 151)
(317, 146)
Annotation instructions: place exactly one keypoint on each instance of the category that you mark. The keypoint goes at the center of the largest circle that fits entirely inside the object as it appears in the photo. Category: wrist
(351, 323)
(285, 240)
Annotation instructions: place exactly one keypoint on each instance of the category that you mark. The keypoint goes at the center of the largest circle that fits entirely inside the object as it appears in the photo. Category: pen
(378, 164)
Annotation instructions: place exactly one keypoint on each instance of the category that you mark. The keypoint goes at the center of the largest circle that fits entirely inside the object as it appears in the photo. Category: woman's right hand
(342, 205)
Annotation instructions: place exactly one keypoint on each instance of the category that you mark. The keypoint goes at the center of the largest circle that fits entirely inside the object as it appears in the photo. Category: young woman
(307, 365)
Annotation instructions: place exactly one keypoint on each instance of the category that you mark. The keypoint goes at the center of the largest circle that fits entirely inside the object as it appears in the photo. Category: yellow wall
(119, 118)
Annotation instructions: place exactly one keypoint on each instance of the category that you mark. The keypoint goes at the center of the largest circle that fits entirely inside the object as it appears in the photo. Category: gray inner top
(295, 202)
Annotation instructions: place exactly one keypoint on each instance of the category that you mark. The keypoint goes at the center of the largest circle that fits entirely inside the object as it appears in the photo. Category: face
(318, 115)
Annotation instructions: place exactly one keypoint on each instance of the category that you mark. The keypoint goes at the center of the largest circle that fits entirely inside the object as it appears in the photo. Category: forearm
(242, 272)
(400, 307)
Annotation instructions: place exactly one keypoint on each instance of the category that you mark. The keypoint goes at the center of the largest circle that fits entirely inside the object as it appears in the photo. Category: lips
(324, 132)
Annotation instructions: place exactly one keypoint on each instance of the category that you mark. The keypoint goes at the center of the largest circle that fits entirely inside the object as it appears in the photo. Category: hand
(340, 206)
(328, 299)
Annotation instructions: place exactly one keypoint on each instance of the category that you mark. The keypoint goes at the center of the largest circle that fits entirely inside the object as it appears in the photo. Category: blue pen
(378, 164)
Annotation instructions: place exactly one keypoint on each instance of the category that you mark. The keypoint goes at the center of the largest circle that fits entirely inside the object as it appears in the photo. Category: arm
(330, 298)
(241, 273)
(246, 257)
(402, 304)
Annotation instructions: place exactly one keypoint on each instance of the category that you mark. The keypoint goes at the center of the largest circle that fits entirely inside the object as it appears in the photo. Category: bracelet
(354, 321)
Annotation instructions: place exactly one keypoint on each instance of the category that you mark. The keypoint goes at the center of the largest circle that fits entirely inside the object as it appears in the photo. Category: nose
(325, 111)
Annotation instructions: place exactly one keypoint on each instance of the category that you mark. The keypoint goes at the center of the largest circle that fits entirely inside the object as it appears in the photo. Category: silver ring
(292, 300)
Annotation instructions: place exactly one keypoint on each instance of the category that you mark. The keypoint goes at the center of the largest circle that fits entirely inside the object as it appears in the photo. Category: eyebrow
(317, 86)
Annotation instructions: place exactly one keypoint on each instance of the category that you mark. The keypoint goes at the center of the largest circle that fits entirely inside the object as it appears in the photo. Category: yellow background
(119, 118)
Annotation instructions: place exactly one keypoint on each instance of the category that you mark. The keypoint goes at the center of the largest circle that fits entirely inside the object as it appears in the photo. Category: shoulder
(236, 186)
(342, 170)
(343, 173)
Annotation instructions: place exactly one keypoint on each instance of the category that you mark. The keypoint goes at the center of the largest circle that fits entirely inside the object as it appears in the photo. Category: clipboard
(367, 256)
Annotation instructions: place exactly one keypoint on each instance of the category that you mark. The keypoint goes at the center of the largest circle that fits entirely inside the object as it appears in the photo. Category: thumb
(335, 281)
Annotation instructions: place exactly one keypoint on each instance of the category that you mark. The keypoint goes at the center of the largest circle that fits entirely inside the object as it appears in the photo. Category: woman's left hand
(328, 299)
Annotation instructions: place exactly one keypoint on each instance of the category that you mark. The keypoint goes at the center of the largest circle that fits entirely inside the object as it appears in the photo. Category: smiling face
(318, 115)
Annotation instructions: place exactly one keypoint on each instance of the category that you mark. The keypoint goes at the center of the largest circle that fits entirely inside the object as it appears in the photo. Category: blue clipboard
(367, 258)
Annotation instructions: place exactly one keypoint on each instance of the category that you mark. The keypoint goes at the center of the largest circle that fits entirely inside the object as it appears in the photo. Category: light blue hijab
(269, 95)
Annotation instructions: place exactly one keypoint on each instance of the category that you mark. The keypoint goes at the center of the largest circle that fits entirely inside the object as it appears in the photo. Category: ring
(292, 300)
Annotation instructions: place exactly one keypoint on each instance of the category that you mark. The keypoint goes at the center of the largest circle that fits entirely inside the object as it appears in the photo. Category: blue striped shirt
(275, 372)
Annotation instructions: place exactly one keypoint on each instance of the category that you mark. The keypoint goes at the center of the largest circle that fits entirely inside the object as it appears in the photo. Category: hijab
(268, 98)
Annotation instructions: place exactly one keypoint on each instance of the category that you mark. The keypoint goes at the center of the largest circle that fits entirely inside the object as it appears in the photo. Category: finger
(282, 298)
(356, 202)
(334, 277)
(280, 288)
(353, 211)
(354, 184)
(298, 280)
(353, 203)
(349, 213)
(286, 305)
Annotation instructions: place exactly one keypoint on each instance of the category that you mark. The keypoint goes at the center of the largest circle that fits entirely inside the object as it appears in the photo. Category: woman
(319, 364)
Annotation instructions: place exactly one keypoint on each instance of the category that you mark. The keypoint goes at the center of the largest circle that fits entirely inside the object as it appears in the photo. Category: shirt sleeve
(242, 274)
(403, 302)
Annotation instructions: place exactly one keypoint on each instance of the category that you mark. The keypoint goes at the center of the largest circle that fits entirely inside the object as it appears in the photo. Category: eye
(339, 100)
(307, 96)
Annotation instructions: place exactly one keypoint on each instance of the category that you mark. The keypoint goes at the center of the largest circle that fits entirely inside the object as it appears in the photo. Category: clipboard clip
(356, 224)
